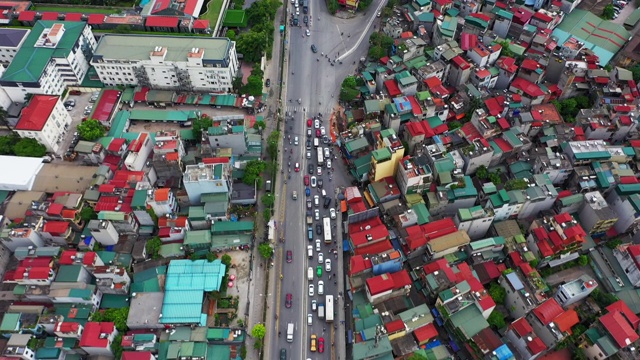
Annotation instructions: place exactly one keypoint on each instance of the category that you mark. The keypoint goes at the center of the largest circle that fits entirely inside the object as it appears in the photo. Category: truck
(309, 218)
(320, 157)
(290, 329)
(321, 310)
(329, 308)
(305, 6)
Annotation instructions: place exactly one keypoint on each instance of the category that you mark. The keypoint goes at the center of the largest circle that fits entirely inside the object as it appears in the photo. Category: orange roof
(162, 194)
(566, 320)
(172, 156)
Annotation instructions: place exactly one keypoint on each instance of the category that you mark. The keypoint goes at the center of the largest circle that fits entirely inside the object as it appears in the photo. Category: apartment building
(11, 41)
(167, 62)
(44, 119)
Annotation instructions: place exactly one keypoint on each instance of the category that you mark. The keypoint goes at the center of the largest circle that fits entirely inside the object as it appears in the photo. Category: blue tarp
(433, 344)
(345, 245)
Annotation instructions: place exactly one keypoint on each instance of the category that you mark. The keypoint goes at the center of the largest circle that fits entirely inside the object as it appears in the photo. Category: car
(317, 215)
(310, 169)
(321, 345)
(320, 183)
(316, 124)
(309, 319)
(318, 226)
(310, 252)
(310, 233)
(320, 258)
(309, 133)
(70, 102)
(313, 343)
(316, 200)
(314, 304)
(309, 204)
(295, 21)
(325, 139)
(307, 192)
(306, 180)
(313, 48)
(328, 163)
(288, 301)
(297, 11)
(305, 20)
(308, 32)
(283, 354)
(318, 245)
(268, 82)
(332, 213)
(297, 167)
(308, 152)
(75, 92)
(379, 14)
(295, 141)
(69, 108)
(311, 290)
(320, 287)
(289, 256)
(309, 122)
(327, 265)
(319, 171)
(313, 181)
(294, 194)
(318, 133)
(308, 144)
(319, 270)
(322, 130)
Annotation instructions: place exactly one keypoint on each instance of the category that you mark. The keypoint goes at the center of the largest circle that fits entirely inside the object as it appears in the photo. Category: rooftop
(35, 115)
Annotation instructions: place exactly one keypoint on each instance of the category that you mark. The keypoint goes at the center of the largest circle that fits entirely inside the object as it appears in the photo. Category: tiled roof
(91, 335)
(394, 326)
(567, 320)
(425, 333)
(622, 307)
(522, 327)
(359, 263)
(548, 311)
(617, 326)
(36, 114)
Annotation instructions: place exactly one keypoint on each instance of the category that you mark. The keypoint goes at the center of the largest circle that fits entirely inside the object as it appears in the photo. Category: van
(290, 328)
(316, 142)
(310, 273)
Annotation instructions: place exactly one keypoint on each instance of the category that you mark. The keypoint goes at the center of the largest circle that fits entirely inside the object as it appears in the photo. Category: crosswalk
(308, 111)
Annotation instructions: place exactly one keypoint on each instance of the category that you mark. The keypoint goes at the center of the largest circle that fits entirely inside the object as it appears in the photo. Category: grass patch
(73, 9)
(214, 7)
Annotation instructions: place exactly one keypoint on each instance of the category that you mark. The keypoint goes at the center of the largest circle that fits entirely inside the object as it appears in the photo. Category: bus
(326, 223)
(320, 157)
(328, 311)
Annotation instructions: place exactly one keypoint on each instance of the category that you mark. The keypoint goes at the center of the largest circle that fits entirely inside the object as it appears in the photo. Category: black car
(283, 354)
(314, 49)
(268, 82)
(308, 144)
(327, 202)
(295, 21)
(306, 19)
(311, 168)
(320, 183)
(318, 229)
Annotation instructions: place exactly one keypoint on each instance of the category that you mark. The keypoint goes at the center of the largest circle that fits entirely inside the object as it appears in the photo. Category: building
(625, 202)
(54, 56)
(521, 297)
(476, 221)
(112, 279)
(97, 338)
(44, 119)
(575, 290)
(524, 340)
(614, 331)
(138, 152)
(167, 158)
(206, 179)
(629, 258)
(387, 286)
(555, 240)
(229, 133)
(167, 62)
(185, 9)
(103, 232)
(11, 41)
(162, 201)
(414, 176)
(551, 322)
(596, 217)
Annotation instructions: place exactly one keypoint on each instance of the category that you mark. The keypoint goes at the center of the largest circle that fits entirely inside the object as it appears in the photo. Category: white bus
(326, 223)
(328, 311)
(320, 157)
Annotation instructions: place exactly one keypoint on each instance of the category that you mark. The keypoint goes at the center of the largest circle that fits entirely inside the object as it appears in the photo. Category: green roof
(151, 273)
(162, 115)
(114, 301)
(632, 20)
(362, 164)
(3, 195)
(214, 197)
(167, 251)
(48, 353)
(502, 13)
(187, 134)
(232, 226)
(356, 144)
(197, 213)
(489, 242)
(78, 312)
(227, 241)
(421, 212)
(30, 61)
(139, 199)
(118, 124)
(382, 154)
(195, 237)
(477, 22)
(68, 273)
(604, 155)
(10, 322)
(448, 26)
(469, 320)
(371, 349)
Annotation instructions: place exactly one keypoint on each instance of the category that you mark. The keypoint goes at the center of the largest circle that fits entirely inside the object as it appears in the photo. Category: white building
(10, 42)
(205, 179)
(575, 290)
(104, 232)
(97, 338)
(476, 221)
(505, 204)
(44, 119)
(21, 237)
(19, 180)
(167, 62)
(626, 205)
(139, 151)
(162, 201)
(54, 55)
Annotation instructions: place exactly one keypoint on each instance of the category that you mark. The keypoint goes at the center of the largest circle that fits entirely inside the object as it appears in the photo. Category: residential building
(182, 9)
(112, 279)
(229, 133)
(629, 258)
(32, 272)
(521, 297)
(540, 196)
(615, 331)
(551, 323)
(596, 217)
(138, 153)
(507, 70)
(468, 292)
(104, 232)
(584, 152)
(162, 201)
(555, 240)
(502, 21)
(386, 156)
(18, 347)
(97, 338)
(207, 178)
(172, 229)
(489, 249)
(68, 330)
(11, 41)
(575, 290)
(166, 62)
(444, 30)
(484, 56)
(167, 158)
(625, 202)
(54, 56)
(447, 244)
(417, 236)
(387, 286)
(414, 175)
(505, 204)
(525, 341)
(476, 155)
(45, 119)
(21, 237)
(459, 72)
(476, 221)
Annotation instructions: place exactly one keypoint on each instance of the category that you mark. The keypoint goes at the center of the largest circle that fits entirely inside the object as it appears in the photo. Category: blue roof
(515, 281)
(185, 284)
(402, 104)
(503, 352)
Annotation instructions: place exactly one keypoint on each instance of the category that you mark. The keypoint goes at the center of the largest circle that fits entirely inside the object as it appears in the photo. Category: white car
(308, 154)
(314, 305)
(328, 163)
(327, 265)
(318, 245)
(297, 12)
(316, 200)
(313, 181)
(310, 251)
(316, 124)
(295, 141)
(308, 32)
(319, 171)
(322, 131)
(309, 319)
(320, 258)
(332, 213)
(320, 287)
(311, 290)
(317, 215)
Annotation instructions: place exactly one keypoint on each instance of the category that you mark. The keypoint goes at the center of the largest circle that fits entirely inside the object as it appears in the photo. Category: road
(315, 82)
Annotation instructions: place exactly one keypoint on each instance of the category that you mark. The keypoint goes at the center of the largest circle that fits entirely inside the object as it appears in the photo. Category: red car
(289, 256)
(318, 133)
(297, 167)
(289, 301)
(321, 345)
(306, 180)
(309, 122)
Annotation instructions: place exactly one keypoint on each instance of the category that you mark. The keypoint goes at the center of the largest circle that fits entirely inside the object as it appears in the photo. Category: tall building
(167, 158)
(44, 119)
(167, 62)
(54, 55)
(207, 179)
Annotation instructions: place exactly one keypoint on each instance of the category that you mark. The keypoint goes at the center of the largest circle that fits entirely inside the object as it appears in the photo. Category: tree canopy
(29, 147)
(117, 316)
(379, 45)
(252, 171)
(349, 89)
(259, 40)
(265, 250)
(91, 130)
(497, 293)
(202, 123)
(258, 331)
(608, 12)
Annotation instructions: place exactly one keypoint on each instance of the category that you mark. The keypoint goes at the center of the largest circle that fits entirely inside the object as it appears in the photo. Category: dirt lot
(595, 6)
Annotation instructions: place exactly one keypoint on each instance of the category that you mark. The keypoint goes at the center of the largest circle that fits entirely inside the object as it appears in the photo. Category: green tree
(482, 173)
(7, 142)
(231, 34)
(257, 344)
(474, 104)
(453, 125)
(87, 214)
(635, 71)
(494, 177)
(497, 293)
(505, 49)
(237, 84)
(30, 148)
(116, 346)
(381, 41)
(349, 81)
(259, 125)
(253, 86)
(226, 260)
(272, 144)
(91, 130)
(603, 299)
(265, 250)
(200, 124)
(3, 118)
(416, 356)
(582, 102)
(515, 184)
(332, 6)
(258, 331)
(252, 45)
(608, 12)
(583, 260)
(268, 200)
(612, 244)
(252, 171)
(153, 246)
(496, 319)
(534, 263)
(349, 89)
(116, 316)
(211, 256)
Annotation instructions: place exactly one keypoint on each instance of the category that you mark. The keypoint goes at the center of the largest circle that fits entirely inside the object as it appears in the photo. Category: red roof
(440, 265)
(438, 228)
(563, 218)
(374, 248)
(160, 5)
(49, 16)
(56, 228)
(394, 326)
(542, 17)
(468, 41)
(503, 144)
(116, 144)
(548, 311)
(67, 327)
(37, 112)
(392, 88)
(460, 62)
(536, 346)
(55, 209)
(386, 282)
(416, 109)
(495, 105)
(530, 64)
(105, 106)
(162, 21)
(622, 307)
(619, 328)
(201, 24)
(136, 355)
(91, 335)
(504, 124)
(522, 327)
(141, 95)
(190, 7)
(373, 227)
(359, 263)
(73, 17)
(425, 333)
(96, 19)
(27, 16)
(567, 320)
(527, 87)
